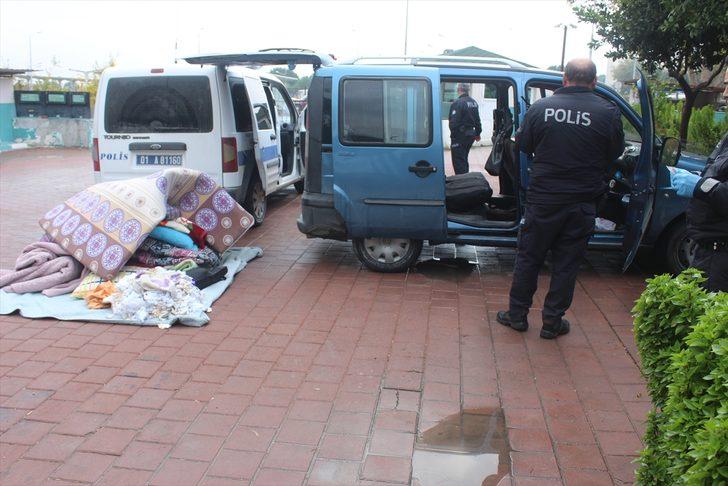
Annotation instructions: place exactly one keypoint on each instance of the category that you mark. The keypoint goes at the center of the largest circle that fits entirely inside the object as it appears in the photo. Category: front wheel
(255, 202)
(676, 248)
(387, 255)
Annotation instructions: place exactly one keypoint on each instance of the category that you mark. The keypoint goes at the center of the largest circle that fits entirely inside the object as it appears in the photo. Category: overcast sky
(79, 34)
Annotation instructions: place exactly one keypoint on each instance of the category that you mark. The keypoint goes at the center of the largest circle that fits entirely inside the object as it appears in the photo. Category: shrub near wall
(682, 337)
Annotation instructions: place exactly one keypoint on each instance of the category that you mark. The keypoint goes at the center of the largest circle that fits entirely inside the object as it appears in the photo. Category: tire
(299, 185)
(387, 255)
(255, 201)
(675, 249)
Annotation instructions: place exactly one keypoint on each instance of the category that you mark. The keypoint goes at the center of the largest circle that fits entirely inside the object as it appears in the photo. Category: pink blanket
(45, 267)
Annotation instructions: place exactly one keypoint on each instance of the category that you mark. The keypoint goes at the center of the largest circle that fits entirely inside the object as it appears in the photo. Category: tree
(680, 36)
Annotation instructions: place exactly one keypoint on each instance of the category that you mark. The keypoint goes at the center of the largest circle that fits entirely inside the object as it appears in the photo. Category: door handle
(422, 168)
(273, 136)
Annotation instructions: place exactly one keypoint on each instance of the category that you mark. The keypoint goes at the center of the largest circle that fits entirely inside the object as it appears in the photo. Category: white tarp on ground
(67, 308)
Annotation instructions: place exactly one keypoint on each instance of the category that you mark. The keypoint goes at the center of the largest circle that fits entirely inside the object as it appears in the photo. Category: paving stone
(308, 358)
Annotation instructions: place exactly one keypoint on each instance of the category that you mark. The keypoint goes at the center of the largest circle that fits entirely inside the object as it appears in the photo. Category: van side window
(283, 109)
(241, 108)
(262, 116)
(386, 112)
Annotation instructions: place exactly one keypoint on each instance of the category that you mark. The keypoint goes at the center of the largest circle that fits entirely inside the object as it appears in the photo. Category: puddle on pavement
(445, 268)
(467, 449)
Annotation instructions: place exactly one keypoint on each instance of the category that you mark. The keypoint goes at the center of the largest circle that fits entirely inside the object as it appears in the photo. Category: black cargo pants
(459, 149)
(563, 229)
(714, 263)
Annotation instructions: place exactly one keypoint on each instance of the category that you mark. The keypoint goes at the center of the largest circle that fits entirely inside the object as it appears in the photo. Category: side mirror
(670, 152)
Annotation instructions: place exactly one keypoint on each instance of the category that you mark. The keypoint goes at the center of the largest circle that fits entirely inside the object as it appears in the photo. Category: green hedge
(682, 337)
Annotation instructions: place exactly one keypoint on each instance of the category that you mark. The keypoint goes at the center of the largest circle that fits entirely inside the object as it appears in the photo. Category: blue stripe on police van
(270, 152)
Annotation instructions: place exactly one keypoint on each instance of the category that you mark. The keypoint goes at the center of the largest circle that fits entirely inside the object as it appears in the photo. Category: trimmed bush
(683, 343)
(663, 317)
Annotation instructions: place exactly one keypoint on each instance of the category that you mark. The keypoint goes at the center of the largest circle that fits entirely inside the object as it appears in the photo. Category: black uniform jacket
(708, 210)
(464, 120)
(573, 135)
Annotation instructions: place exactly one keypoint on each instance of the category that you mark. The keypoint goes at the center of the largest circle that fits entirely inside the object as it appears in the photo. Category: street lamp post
(30, 47)
(563, 45)
(406, 25)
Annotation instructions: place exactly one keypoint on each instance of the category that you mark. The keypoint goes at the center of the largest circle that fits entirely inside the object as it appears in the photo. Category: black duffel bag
(466, 192)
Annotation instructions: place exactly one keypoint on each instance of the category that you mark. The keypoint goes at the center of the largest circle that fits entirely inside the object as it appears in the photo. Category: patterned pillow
(104, 225)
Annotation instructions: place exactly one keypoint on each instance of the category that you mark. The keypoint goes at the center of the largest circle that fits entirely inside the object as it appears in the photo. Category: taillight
(229, 155)
(95, 155)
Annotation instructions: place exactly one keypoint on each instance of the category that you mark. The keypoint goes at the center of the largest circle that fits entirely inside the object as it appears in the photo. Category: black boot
(554, 329)
(504, 317)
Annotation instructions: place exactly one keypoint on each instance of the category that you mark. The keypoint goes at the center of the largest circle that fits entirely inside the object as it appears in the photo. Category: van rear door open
(150, 122)
(264, 133)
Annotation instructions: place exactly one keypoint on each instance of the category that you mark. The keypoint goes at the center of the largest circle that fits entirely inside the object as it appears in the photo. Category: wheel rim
(387, 250)
(686, 252)
(258, 202)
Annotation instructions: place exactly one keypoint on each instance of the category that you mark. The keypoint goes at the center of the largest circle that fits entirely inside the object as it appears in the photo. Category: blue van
(375, 170)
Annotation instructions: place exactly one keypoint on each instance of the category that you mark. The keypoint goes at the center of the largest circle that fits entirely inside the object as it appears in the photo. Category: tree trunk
(687, 111)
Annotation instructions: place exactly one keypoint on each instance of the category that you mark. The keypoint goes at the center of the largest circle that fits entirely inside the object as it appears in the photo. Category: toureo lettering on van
(561, 115)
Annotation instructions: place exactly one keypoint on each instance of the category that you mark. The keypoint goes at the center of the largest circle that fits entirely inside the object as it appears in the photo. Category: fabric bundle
(156, 294)
(45, 267)
(155, 253)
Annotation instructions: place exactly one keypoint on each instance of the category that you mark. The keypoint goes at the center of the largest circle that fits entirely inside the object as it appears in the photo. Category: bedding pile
(164, 225)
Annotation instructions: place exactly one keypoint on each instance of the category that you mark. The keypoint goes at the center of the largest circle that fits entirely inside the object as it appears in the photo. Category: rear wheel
(387, 255)
(255, 202)
(676, 249)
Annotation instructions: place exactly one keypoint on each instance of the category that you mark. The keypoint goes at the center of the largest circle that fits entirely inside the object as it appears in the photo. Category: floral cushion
(104, 225)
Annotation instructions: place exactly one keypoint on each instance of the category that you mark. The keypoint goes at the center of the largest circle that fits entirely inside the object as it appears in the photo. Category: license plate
(159, 160)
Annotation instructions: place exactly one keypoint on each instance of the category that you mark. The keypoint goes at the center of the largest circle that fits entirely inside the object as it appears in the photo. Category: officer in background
(708, 212)
(465, 128)
(573, 135)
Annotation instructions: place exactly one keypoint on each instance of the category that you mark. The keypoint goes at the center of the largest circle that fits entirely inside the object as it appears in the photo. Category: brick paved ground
(312, 370)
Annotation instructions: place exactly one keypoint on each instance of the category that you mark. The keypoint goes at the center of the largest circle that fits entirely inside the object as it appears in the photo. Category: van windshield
(159, 104)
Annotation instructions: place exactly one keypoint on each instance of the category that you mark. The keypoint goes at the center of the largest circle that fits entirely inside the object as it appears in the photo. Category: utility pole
(406, 25)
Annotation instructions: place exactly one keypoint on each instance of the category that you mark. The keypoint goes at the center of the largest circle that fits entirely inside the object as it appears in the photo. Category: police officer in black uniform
(708, 212)
(573, 135)
(464, 122)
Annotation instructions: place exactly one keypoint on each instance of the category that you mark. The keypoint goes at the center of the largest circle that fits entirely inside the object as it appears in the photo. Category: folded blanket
(155, 253)
(173, 237)
(42, 267)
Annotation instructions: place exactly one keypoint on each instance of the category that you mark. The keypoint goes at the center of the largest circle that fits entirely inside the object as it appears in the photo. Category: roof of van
(184, 69)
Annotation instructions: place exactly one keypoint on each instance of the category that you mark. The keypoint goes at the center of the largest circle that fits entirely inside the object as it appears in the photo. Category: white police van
(217, 114)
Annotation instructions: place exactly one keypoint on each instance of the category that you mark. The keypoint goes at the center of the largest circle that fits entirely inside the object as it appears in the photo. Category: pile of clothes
(164, 276)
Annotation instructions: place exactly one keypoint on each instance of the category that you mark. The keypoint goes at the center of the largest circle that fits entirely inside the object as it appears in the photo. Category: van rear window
(159, 104)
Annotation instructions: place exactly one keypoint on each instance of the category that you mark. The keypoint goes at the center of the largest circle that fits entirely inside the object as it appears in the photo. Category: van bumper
(320, 219)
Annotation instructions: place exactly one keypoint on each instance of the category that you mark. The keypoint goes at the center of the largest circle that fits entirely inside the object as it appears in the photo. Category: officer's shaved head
(464, 88)
(580, 72)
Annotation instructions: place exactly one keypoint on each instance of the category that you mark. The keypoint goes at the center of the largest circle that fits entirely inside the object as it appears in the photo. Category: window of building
(386, 112)
(56, 98)
(30, 97)
(78, 99)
